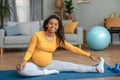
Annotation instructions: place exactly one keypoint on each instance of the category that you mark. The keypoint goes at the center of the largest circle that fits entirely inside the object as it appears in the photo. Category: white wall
(48, 8)
(94, 13)
(90, 14)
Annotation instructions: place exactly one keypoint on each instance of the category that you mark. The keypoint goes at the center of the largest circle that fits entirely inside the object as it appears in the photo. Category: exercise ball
(98, 38)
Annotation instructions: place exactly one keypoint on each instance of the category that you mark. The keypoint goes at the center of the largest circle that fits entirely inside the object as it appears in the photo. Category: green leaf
(5, 11)
(69, 6)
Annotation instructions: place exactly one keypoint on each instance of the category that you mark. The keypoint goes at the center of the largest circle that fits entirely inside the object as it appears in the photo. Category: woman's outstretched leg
(68, 66)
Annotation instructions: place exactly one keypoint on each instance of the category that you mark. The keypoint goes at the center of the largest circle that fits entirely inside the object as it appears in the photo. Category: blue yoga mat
(13, 75)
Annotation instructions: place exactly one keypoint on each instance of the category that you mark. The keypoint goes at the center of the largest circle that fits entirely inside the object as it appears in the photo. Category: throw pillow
(12, 30)
(70, 27)
(64, 21)
(28, 28)
(34, 26)
(24, 28)
(11, 23)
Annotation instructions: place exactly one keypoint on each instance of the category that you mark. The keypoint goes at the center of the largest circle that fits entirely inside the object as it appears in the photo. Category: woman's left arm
(77, 50)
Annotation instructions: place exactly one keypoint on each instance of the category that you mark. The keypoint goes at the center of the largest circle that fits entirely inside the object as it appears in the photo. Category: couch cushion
(28, 28)
(64, 21)
(71, 37)
(34, 26)
(11, 23)
(41, 22)
(24, 28)
(70, 27)
(17, 39)
(12, 30)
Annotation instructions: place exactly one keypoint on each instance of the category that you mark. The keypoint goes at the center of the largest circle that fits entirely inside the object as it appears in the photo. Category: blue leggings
(32, 69)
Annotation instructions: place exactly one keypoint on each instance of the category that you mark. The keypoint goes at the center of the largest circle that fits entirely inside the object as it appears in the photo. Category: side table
(114, 30)
(84, 39)
(1, 51)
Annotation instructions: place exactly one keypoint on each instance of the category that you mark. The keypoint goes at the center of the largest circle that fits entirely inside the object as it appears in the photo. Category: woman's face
(52, 25)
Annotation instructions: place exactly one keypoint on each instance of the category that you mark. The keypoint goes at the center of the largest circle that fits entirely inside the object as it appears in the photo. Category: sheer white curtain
(23, 9)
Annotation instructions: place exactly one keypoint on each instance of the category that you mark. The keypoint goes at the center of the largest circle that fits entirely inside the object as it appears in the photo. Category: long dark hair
(60, 31)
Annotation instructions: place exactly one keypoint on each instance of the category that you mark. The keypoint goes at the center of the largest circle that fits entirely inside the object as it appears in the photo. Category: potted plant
(69, 8)
(4, 11)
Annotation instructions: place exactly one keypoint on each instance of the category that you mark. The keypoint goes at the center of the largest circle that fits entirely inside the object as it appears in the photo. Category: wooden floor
(12, 57)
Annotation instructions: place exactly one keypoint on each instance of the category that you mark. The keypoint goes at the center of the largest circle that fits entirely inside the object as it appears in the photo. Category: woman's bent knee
(23, 73)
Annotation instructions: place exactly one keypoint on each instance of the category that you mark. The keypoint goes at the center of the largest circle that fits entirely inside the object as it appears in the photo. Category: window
(22, 8)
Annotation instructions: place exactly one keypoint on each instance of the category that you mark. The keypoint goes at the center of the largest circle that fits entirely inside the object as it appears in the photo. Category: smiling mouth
(53, 29)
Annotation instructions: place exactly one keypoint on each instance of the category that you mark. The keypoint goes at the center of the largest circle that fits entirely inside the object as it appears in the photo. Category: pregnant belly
(42, 58)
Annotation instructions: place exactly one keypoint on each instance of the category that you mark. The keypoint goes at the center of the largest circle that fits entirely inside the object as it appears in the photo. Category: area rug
(12, 75)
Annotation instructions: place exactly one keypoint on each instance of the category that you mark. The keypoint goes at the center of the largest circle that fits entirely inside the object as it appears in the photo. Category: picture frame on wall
(83, 1)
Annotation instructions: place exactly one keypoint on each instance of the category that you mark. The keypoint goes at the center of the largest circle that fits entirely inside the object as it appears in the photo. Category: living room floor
(12, 57)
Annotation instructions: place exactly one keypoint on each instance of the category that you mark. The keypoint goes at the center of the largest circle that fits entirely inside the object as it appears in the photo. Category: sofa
(16, 39)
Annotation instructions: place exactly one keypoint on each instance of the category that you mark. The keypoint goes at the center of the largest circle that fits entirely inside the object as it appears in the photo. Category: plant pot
(69, 17)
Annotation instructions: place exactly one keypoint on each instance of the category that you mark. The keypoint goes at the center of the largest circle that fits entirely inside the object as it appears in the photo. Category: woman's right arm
(29, 52)
(31, 47)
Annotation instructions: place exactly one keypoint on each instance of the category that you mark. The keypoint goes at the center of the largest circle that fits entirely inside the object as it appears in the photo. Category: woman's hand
(94, 58)
(21, 66)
